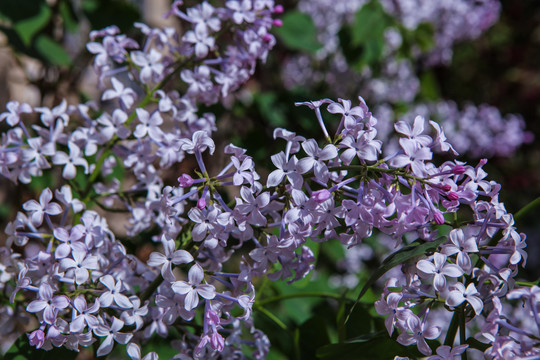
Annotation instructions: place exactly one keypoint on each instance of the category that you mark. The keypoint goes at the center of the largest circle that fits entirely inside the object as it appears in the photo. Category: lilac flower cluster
(397, 82)
(63, 264)
(473, 130)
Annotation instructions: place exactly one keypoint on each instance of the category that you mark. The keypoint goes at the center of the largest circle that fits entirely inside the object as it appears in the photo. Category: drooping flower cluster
(65, 265)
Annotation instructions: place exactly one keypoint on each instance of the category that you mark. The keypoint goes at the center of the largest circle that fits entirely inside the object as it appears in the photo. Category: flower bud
(438, 218)
(37, 338)
(452, 196)
(321, 195)
(201, 203)
(446, 187)
(277, 23)
(278, 9)
(185, 180)
(217, 342)
(459, 169)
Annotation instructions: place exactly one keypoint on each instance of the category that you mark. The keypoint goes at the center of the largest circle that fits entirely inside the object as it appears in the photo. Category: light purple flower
(193, 288)
(111, 333)
(170, 257)
(439, 268)
(44, 207)
(48, 304)
(114, 293)
(459, 294)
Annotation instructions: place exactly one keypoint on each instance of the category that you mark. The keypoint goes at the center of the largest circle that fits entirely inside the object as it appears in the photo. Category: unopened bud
(277, 23)
(446, 187)
(267, 37)
(201, 203)
(185, 180)
(452, 196)
(321, 195)
(278, 9)
(459, 169)
(438, 218)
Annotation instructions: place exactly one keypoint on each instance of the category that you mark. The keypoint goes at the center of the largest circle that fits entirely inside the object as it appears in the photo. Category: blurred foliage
(31, 26)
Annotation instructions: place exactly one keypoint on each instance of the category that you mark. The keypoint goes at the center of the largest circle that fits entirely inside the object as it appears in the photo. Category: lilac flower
(290, 169)
(413, 156)
(170, 257)
(74, 159)
(201, 15)
(200, 141)
(134, 353)
(419, 334)
(461, 246)
(84, 317)
(445, 352)
(114, 126)
(49, 116)
(242, 11)
(439, 268)
(458, 294)
(44, 207)
(111, 333)
(414, 134)
(316, 157)
(252, 206)
(81, 264)
(349, 116)
(127, 95)
(389, 306)
(151, 67)
(149, 125)
(15, 110)
(193, 288)
(114, 293)
(364, 146)
(47, 304)
(200, 39)
(136, 314)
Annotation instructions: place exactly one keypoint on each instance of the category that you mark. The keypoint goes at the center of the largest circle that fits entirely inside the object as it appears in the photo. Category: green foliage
(298, 32)
(103, 13)
(363, 41)
(52, 51)
(21, 350)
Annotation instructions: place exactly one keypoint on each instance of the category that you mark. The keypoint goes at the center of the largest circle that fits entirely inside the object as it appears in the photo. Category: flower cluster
(395, 80)
(65, 265)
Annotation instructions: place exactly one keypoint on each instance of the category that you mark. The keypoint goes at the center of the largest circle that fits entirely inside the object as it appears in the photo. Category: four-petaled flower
(193, 288)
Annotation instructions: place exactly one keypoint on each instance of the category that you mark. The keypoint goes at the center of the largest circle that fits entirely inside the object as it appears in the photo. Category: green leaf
(363, 41)
(29, 27)
(429, 88)
(424, 36)
(313, 335)
(103, 13)
(374, 348)
(401, 256)
(21, 350)
(370, 22)
(51, 51)
(69, 17)
(298, 32)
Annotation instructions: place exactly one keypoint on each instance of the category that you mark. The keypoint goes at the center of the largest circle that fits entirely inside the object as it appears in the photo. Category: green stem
(462, 329)
(272, 317)
(452, 330)
(527, 209)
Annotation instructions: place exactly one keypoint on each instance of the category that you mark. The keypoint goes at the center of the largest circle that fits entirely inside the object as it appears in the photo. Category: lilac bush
(65, 268)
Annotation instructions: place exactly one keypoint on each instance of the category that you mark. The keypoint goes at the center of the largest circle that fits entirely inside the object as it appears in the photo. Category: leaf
(69, 17)
(21, 350)
(313, 335)
(16, 10)
(298, 32)
(399, 257)
(51, 51)
(374, 348)
(363, 41)
(29, 27)
(103, 13)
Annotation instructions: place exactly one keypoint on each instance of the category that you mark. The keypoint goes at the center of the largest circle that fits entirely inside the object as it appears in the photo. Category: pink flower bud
(446, 187)
(37, 338)
(459, 169)
(452, 196)
(185, 180)
(438, 218)
(321, 195)
(267, 37)
(277, 23)
(201, 204)
(278, 9)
